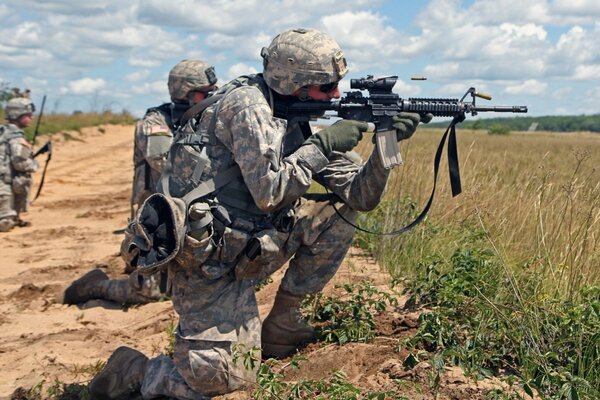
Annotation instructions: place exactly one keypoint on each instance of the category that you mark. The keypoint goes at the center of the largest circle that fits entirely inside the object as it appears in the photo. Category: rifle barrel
(37, 125)
(511, 109)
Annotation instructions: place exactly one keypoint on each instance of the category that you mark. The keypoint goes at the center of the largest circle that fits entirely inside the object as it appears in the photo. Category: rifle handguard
(387, 148)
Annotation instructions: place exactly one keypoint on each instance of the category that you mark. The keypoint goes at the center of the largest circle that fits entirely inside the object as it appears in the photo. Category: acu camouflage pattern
(301, 57)
(18, 106)
(153, 136)
(16, 166)
(190, 75)
(217, 308)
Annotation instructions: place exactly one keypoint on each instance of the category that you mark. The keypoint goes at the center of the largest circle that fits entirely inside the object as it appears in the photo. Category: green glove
(406, 123)
(342, 136)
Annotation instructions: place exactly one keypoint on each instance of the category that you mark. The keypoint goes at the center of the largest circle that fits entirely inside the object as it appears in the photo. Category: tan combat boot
(88, 287)
(284, 329)
(122, 375)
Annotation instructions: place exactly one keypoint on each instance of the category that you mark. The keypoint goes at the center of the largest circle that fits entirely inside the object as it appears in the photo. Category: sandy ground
(84, 199)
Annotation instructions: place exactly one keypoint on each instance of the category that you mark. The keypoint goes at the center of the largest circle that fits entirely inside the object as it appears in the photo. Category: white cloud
(587, 72)
(529, 87)
(237, 17)
(143, 62)
(157, 88)
(237, 70)
(138, 75)
(84, 86)
(367, 41)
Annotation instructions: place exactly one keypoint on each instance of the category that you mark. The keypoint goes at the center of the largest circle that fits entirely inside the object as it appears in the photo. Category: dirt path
(86, 198)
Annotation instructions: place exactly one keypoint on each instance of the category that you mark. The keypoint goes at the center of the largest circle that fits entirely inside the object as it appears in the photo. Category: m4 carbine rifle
(380, 107)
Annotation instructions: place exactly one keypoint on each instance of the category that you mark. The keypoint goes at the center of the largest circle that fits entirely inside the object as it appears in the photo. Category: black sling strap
(455, 183)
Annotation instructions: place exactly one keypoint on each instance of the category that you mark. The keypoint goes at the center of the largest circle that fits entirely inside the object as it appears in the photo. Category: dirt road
(85, 198)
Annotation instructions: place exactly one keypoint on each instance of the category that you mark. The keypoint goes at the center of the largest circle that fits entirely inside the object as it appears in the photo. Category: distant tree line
(566, 123)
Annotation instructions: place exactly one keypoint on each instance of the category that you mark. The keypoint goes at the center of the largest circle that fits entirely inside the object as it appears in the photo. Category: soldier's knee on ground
(206, 370)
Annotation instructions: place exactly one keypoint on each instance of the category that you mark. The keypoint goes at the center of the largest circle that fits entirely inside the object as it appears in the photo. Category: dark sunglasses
(328, 87)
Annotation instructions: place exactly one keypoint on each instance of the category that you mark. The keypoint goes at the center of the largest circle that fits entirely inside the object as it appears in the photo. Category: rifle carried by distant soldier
(46, 148)
(382, 107)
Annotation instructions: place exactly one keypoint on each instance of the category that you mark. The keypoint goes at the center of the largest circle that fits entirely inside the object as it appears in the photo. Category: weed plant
(349, 317)
(271, 384)
(509, 269)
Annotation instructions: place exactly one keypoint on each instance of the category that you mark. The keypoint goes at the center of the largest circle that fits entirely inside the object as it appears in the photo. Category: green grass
(55, 123)
(509, 269)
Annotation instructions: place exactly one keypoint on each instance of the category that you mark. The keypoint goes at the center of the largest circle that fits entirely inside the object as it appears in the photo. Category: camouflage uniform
(216, 309)
(152, 138)
(16, 166)
(213, 279)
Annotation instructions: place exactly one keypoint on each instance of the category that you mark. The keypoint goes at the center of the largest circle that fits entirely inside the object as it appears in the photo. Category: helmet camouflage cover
(18, 106)
(301, 57)
(190, 75)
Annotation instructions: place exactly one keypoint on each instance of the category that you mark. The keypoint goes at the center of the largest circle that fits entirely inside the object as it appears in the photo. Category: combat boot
(122, 375)
(22, 223)
(89, 286)
(284, 330)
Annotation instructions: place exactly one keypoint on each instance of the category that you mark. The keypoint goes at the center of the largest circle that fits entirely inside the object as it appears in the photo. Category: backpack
(177, 228)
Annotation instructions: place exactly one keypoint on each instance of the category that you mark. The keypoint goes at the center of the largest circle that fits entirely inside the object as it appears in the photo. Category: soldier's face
(24, 120)
(316, 93)
(198, 95)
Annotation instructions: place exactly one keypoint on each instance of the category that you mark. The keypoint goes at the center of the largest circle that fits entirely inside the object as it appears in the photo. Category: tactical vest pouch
(156, 236)
(262, 249)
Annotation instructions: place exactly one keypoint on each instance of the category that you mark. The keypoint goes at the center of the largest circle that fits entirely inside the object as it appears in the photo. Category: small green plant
(260, 285)
(350, 318)
(250, 357)
(67, 391)
(271, 384)
(171, 329)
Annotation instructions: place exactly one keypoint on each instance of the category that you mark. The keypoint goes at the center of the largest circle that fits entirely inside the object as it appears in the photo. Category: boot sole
(271, 350)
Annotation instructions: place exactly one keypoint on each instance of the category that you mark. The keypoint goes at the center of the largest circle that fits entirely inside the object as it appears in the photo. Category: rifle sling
(454, 181)
(39, 190)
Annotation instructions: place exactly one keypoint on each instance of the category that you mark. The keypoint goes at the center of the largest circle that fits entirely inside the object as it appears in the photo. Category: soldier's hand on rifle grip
(43, 150)
(342, 136)
(406, 123)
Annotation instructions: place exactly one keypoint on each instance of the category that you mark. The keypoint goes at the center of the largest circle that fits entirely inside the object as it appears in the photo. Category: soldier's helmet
(190, 75)
(301, 57)
(18, 106)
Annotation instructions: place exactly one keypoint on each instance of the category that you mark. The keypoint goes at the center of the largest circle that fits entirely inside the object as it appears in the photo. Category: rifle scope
(374, 85)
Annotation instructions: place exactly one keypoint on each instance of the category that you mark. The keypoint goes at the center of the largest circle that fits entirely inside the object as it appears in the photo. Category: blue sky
(108, 54)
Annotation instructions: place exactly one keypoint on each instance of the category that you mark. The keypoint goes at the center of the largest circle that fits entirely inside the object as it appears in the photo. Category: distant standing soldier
(190, 81)
(16, 163)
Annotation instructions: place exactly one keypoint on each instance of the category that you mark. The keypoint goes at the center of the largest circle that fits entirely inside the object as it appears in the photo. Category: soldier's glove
(406, 123)
(342, 136)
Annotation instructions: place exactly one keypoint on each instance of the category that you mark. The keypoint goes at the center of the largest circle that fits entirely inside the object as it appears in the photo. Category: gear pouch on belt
(21, 184)
(261, 251)
(156, 236)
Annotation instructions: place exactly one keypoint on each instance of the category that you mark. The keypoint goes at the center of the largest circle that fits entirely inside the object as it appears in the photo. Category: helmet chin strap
(303, 95)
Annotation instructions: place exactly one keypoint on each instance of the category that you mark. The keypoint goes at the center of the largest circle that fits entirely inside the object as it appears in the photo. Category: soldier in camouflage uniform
(16, 163)
(266, 207)
(189, 82)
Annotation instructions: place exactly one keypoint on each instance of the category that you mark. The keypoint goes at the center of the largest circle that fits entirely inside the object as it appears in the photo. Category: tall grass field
(509, 270)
